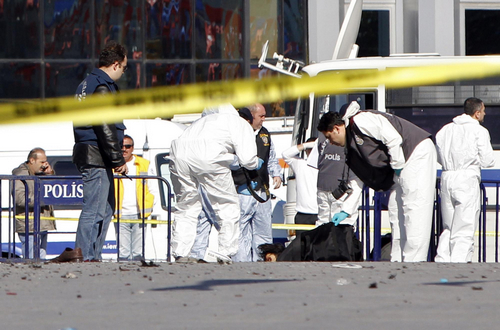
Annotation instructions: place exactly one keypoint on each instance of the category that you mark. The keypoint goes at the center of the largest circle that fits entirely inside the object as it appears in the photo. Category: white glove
(309, 145)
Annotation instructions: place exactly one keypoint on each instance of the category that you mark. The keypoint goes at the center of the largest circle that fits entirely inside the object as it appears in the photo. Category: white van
(152, 139)
(429, 107)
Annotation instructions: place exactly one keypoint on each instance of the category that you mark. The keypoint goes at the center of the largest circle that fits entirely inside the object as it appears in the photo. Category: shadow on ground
(210, 284)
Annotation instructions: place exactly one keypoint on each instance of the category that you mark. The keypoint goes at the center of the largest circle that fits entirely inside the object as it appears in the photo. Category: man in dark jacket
(256, 217)
(96, 153)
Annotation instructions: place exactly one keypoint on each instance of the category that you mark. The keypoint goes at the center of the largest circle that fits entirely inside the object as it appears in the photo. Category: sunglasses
(123, 67)
(128, 146)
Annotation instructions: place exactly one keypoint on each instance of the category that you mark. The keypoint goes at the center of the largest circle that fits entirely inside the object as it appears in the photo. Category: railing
(44, 193)
(143, 217)
(369, 222)
(372, 251)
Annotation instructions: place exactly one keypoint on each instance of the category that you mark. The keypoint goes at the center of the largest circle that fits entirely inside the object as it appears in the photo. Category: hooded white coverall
(200, 160)
(464, 148)
(411, 202)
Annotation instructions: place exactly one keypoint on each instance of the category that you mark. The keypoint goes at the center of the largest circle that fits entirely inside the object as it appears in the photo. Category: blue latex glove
(253, 184)
(339, 217)
(261, 161)
(398, 171)
(243, 189)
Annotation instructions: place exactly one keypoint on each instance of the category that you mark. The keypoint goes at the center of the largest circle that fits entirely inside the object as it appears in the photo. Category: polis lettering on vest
(332, 157)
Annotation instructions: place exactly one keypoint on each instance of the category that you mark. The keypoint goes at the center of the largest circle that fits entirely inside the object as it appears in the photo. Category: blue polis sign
(62, 191)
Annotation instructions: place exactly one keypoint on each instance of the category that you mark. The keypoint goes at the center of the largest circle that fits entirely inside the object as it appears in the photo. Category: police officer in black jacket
(97, 152)
(255, 220)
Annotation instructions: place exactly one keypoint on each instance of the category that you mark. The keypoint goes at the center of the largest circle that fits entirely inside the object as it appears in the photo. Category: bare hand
(121, 169)
(47, 169)
(277, 182)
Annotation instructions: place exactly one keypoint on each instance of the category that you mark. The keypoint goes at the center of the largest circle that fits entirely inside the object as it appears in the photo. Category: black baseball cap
(246, 114)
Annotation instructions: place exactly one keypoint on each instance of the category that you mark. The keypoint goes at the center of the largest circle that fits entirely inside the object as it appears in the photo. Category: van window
(63, 167)
(162, 168)
(327, 103)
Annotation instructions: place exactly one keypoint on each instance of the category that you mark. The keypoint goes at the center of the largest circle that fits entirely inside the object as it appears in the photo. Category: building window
(482, 32)
(373, 36)
(20, 29)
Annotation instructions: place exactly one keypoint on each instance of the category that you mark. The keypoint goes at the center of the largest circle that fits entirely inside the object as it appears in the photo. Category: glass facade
(20, 26)
(49, 46)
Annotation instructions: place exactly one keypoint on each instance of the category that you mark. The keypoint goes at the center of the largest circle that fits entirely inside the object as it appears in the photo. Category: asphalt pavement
(361, 295)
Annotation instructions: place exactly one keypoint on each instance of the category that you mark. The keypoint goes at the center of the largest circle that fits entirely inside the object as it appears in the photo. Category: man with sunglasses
(97, 152)
(135, 200)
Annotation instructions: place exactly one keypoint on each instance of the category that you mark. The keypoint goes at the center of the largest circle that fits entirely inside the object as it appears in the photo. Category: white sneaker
(221, 258)
(186, 260)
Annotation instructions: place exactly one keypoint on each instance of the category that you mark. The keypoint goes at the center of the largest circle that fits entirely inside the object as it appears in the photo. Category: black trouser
(304, 219)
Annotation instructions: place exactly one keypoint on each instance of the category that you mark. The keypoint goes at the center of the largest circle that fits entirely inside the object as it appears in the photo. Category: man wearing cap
(256, 216)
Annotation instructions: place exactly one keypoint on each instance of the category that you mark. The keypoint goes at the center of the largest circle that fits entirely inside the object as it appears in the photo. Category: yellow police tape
(277, 226)
(164, 222)
(165, 102)
(153, 222)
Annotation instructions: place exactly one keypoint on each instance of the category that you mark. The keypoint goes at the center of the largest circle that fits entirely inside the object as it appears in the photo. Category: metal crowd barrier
(370, 222)
(39, 199)
(482, 230)
(143, 217)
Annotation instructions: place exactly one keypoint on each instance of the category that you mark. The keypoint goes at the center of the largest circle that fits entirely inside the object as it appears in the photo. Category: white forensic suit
(463, 149)
(200, 160)
(306, 178)
(409, 151)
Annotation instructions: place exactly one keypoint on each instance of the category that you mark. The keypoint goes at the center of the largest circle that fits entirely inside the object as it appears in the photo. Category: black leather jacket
(107, 152)
(99, 145)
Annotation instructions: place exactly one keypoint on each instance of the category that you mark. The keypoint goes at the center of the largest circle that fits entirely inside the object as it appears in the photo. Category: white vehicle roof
(380, 63)
(160, 133)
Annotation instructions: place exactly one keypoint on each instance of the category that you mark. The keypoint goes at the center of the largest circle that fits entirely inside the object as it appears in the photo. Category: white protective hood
(464, 119)
(223, 108)
(351, 110)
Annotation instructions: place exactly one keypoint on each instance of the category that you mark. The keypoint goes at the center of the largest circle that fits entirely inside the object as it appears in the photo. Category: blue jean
(97, 210)
(42, 240)
(130, 238)
(203, 230)
(255, 227)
